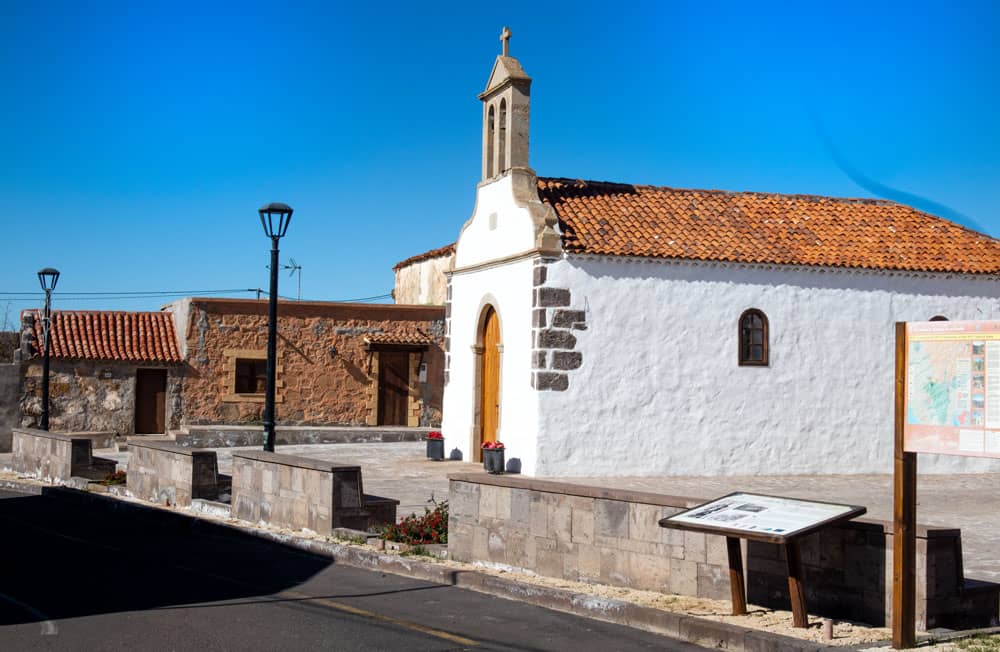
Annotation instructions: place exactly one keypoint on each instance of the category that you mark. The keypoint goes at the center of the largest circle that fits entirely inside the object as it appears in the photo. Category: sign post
(947, 402)
(772, 519)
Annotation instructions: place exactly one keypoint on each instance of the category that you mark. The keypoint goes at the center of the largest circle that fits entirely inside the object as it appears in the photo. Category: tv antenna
(295, 267)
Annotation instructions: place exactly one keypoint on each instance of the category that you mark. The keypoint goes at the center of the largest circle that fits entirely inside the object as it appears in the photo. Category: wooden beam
(904, 512)
(796, 586)
(737, 585)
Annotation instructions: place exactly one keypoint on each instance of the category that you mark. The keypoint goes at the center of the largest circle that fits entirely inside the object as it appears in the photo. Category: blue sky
(139, 139)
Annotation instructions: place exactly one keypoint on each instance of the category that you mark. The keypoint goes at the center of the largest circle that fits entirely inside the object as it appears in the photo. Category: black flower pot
(435, 449)
(493, 460)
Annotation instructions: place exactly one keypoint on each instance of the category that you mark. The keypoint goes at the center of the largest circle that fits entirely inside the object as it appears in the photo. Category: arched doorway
(489, 380)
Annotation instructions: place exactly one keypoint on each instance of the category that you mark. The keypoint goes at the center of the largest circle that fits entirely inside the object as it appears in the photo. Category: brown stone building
(202, 361)
(338, 363)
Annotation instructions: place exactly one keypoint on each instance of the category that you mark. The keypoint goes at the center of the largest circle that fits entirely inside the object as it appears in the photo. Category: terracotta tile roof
(105, 335)
(418, 339)
(446, 250)
(625, 220)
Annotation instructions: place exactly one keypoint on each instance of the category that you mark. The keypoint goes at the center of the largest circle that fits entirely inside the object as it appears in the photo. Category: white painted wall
(424, 282)
(508, 289)
(498, 227)
(660, 391)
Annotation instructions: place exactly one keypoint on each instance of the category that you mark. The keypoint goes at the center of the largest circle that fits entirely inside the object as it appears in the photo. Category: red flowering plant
(493, 446)
(435, 434)
(432, 527)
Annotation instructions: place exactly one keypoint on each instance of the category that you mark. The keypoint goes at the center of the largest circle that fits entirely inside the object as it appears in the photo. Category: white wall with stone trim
(660, 392)
(507, 288)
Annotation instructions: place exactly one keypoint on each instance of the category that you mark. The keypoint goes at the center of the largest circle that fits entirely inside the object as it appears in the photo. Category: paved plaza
(401, 471)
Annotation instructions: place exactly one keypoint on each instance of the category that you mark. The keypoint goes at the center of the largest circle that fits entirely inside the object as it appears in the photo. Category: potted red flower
(493, 457)
(435, 446)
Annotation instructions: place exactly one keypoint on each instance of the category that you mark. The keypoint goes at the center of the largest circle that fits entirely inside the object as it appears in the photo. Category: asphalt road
(80, 576)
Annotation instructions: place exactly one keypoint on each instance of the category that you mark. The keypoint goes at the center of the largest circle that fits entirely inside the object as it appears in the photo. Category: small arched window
(938, 318)
(502, 133)
(490, 137)
(753, 338)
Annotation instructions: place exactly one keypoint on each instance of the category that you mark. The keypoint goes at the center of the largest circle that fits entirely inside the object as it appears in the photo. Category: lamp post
(275, 218)
(48, 277)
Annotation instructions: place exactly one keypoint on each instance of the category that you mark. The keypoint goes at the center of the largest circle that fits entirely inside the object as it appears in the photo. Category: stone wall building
(620, 329)
(202, 362)
(109, 371)
(421, 279)
(338, 363)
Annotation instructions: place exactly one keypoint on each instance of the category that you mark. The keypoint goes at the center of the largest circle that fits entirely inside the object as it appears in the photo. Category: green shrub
(432, 527)
(118, 477)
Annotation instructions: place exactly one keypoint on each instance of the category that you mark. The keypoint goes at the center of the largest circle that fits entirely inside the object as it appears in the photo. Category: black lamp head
(275, 218)
(48, 277)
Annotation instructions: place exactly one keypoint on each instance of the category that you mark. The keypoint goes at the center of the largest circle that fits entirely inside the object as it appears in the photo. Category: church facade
(616, 329)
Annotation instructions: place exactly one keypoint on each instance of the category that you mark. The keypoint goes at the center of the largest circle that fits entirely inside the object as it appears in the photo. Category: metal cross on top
(505, 38)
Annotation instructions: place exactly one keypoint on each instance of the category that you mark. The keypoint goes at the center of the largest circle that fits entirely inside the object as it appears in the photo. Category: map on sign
(953, 388)
(745, 513)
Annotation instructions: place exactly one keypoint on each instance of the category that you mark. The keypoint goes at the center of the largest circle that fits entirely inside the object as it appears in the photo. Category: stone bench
(162, 472)
(302, 493)
(57, 457)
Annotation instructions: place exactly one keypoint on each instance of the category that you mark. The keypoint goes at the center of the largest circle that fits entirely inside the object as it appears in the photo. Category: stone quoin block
(540, 273)
(549, 381)
(568, 318)
(538, 318)
(565, 360)
(552, 297)
(553, 339)
(538, 360)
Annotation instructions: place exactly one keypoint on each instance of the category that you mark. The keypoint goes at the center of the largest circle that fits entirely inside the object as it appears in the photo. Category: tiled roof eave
(818, 267)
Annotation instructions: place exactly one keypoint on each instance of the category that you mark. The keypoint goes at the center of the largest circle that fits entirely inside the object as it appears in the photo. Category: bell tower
(506, 108)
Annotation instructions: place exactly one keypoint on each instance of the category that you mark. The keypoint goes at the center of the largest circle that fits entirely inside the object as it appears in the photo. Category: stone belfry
(506, 108)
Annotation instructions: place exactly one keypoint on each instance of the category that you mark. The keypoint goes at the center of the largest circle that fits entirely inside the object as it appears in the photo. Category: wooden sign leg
(904, 533)
(796, 587)
(737, 585)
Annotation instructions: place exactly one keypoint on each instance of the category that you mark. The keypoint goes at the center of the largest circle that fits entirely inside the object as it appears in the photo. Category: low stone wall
(297, 492)
(610, 536)
(166, 473)
(56, 457)
(222, 436)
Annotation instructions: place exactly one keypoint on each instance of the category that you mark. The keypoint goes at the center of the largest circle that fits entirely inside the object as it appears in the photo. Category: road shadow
(66, 556)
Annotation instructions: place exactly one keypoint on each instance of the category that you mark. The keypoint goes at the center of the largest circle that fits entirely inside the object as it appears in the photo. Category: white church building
(615, 329)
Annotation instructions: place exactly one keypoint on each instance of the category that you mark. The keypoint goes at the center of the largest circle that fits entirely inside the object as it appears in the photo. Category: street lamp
(275, 218)
(48, 277)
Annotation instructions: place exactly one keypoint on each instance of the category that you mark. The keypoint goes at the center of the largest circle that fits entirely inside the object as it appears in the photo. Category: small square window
(251, 376)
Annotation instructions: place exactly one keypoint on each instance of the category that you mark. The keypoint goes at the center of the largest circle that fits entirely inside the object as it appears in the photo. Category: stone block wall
(296, 492)
(611, 536)
(327, 375)
(169, 474)
(10, 398)
(88, 395)
(49, 456)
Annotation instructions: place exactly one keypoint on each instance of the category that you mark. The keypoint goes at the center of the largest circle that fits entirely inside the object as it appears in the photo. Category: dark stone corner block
(546, 380)
(549, 297)
(568, 318)
(553, 339)
(566, 360)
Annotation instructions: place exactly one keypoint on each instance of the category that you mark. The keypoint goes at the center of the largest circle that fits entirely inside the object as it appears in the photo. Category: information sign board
(953, 388)
(756, 516)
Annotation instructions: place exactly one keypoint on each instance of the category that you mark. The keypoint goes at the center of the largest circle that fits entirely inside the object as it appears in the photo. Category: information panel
(759, 516)
(953, 388)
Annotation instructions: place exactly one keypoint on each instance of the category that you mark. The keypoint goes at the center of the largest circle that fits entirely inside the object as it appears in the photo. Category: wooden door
(150, 401)
(489, 398)
(393, 387)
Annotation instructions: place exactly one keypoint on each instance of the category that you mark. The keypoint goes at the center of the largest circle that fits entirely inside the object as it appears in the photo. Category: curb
(699, 631)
